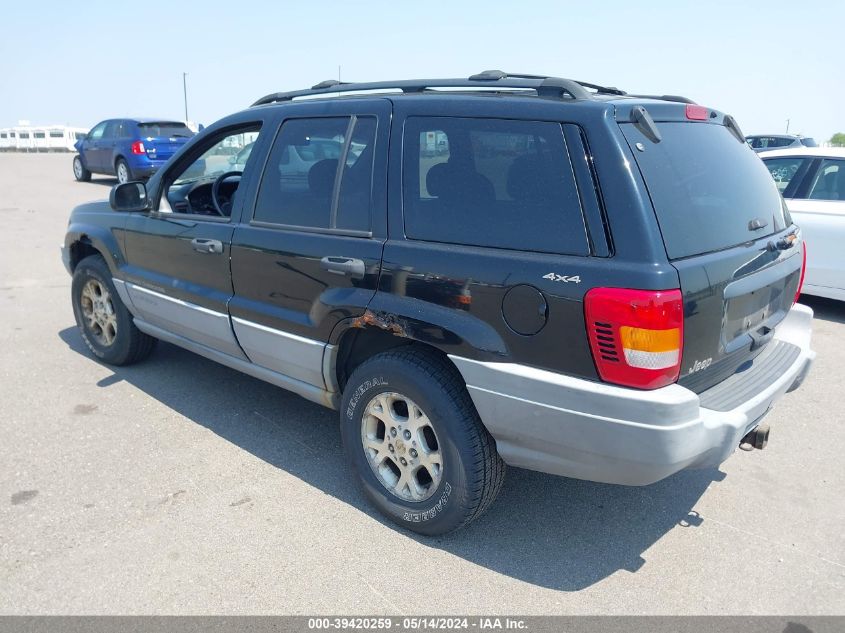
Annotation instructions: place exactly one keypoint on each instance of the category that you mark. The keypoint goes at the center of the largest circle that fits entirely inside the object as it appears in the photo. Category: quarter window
(829, 183)
(491, 182)
(303, 183)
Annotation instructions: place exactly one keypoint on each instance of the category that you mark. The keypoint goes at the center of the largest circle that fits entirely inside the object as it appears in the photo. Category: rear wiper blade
(756, 224)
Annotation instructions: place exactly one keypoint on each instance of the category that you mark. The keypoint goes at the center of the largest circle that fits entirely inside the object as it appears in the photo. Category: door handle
(343, 266)
(202, 245)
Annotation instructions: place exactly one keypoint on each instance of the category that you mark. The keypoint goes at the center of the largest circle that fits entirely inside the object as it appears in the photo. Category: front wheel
(415, 440)
(104, 322)
(79, 171)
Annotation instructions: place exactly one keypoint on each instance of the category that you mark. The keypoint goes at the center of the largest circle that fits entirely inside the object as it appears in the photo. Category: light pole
(787, 126)
(185, 93)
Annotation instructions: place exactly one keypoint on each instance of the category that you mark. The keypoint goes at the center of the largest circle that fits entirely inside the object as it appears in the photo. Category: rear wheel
(415, 440)
(122, 171)
(79, 171)
(104, 322)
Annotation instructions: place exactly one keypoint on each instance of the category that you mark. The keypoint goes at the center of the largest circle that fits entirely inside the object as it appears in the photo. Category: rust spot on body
(383, 320)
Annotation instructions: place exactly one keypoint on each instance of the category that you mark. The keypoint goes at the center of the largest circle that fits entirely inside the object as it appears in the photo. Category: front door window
(207, 185)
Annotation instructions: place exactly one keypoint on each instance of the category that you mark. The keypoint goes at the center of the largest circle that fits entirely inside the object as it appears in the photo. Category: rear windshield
(708, 189)
(164, 129)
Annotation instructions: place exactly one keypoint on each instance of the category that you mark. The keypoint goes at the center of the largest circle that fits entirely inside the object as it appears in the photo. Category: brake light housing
(138, 148)
(636, 336)
(696, 112)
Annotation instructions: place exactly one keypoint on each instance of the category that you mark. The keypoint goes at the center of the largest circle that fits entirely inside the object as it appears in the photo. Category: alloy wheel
(99, 313)
(401, 447)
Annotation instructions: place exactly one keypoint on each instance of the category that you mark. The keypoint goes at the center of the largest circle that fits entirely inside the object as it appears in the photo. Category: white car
(812, 180)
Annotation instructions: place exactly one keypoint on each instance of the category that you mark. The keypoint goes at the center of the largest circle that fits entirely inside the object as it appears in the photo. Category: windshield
(707, 188)
(164, 129)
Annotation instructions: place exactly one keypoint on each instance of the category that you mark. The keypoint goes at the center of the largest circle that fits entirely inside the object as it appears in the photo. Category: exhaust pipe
(757, 438)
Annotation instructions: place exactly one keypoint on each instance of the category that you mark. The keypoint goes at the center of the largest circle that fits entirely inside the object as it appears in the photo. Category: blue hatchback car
(131, 149)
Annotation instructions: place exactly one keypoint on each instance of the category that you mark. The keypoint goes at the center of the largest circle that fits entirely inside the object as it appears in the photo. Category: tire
(104, 322)
(122, 171)
(470, 472)
(79, 171)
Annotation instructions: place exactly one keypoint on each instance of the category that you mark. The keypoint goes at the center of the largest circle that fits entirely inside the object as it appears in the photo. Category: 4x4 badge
(575, 279)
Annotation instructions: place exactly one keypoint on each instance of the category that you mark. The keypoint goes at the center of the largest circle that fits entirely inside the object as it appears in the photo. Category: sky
(77, 63)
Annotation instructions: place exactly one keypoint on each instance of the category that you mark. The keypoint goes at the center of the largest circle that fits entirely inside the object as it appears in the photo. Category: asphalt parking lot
(179, 486)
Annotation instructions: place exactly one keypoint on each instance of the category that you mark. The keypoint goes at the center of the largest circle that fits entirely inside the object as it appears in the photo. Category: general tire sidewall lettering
(402, 511)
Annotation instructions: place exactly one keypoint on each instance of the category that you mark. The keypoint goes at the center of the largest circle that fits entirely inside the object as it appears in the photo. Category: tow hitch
(756, 438)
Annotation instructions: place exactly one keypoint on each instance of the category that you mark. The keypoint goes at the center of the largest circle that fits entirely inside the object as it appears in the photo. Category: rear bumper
(143, 167)
(566, 426)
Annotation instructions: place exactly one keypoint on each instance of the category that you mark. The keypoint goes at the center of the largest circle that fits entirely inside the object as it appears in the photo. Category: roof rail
(674, 98)
(554, 87)
(543, 85)
(603, 90)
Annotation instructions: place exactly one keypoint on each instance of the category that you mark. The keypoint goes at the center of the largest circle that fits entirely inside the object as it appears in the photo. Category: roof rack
(675, 98)
(543, 85)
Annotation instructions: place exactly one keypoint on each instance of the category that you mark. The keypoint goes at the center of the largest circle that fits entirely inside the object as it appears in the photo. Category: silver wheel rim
(401, 447)
(77, 168)
(122, 173)
(98, 311)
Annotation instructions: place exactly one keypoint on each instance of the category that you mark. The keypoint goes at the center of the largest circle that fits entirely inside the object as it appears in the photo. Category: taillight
(697, 112)
(803, 272)
(138, 147)
(636, 336)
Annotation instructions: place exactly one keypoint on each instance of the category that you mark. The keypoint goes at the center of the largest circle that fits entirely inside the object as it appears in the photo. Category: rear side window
(829, 183)
(783, 170)
(491, 182)
(708, 190)
(319, 174)
(112, 130)
(164, 129)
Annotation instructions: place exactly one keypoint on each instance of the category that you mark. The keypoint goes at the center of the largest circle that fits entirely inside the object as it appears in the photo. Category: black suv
(505, 269)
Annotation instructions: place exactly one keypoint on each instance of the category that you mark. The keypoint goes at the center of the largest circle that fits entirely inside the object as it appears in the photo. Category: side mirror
(129, 196)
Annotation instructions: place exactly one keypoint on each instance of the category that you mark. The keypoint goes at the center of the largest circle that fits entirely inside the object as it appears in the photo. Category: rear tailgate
(163, 138)
(727, 232)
